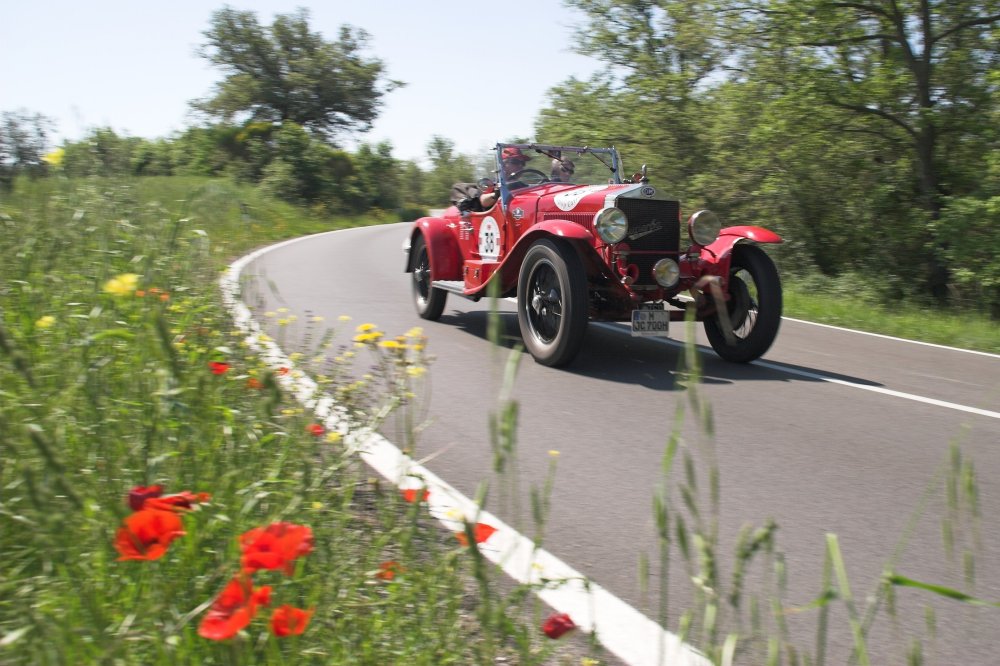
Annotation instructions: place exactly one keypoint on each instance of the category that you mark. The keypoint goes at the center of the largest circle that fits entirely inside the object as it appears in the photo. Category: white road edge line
(831, 380)
(621, 629)
(895, 339)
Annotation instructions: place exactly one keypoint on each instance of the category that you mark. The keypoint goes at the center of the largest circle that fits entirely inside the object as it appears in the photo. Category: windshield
(525, 164)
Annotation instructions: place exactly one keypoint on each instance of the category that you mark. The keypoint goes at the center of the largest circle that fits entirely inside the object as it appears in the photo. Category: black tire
(428, 300)
(552, 302)
(754, 310)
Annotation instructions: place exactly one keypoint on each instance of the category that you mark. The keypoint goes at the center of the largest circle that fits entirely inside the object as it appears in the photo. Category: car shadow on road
(615, 356)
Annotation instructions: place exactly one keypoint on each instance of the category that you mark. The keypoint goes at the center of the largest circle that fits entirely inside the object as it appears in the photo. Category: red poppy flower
(283, 370)
(218, 367)
(289, 621)
(233, 609)
(275, 546)
(315, 429)
(146, 534)
(176, 501)
(481, 531)
(139, 494)
(388, 570)
(253, 383)
(558, 624)
(412, 495)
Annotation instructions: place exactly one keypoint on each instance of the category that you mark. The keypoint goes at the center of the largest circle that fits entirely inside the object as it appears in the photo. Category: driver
(513, 161)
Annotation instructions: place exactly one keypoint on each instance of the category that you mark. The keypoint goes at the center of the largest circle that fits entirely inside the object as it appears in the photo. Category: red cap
(513, 153)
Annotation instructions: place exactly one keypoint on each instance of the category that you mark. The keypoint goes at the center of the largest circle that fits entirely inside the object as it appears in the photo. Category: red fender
(564, 228)
(559, 228)
(442, 248)
(731, 236)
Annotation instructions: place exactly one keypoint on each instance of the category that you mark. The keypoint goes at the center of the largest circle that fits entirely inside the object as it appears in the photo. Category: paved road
(832, 432)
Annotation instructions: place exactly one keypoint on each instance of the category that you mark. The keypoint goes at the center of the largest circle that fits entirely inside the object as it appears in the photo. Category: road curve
(831, 432)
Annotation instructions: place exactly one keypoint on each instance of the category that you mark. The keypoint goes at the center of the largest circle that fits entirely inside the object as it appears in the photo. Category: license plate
(650, 322)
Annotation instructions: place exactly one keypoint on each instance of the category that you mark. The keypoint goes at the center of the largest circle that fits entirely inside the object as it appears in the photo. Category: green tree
(375, 180)
(660, 54)
(912, 75)
(447, 168)
(411, 183)
(286, 73)
(101, 153)
(24, 140)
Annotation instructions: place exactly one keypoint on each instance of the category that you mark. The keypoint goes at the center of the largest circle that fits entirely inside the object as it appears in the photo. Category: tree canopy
(864, 131)
(287, 73)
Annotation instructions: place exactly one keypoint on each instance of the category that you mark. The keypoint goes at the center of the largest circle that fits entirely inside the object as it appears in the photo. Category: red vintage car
(614, 251)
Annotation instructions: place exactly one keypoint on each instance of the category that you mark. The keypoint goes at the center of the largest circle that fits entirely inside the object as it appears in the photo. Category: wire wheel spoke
(546, 303)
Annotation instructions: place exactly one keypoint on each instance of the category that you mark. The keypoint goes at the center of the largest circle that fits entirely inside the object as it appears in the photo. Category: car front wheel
(753, 312)
(428, 300)
(552, 302)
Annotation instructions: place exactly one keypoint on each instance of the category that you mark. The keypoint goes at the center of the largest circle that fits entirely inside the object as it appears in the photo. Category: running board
(453, 286)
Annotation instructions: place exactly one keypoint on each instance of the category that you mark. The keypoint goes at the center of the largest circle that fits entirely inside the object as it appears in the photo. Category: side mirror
(486, 185)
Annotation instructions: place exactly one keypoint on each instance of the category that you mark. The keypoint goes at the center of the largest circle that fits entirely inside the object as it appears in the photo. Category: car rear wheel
(552, 302)
(753, 312)
(428, 300)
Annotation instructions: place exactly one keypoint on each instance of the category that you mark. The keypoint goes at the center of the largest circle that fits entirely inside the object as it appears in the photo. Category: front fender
(442, 248)
(571, 231)
(731, 236)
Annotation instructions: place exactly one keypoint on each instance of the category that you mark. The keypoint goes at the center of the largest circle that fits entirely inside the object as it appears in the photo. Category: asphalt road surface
(833, 431)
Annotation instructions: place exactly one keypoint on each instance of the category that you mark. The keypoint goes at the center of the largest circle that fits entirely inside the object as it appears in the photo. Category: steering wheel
(516, 177)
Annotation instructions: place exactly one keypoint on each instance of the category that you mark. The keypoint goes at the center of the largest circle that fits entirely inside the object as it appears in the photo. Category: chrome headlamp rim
(666, 272)
(704, 227)
(611, 225)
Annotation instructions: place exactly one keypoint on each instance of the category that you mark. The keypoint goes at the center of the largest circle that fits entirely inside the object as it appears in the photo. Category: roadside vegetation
(165, 500)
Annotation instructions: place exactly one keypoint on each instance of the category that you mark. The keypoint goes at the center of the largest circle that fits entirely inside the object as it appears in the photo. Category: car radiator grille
(657, 227)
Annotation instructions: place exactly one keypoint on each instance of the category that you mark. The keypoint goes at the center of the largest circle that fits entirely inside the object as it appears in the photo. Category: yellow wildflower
(45, 322)
(334, 437)
(344, 318)
(415, 332)
(553, 453)
(122, 285)
(364, 328)
(390, 344)
(416, 370)
(368, 337)
(317, 505)
(55, 158)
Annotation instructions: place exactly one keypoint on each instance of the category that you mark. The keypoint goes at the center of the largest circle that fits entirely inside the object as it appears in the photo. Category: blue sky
(132, 65)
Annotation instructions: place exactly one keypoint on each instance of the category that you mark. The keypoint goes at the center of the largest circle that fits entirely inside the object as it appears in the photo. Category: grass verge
(163, 500)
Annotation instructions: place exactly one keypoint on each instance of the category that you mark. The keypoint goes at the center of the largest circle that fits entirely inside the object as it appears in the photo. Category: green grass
(968, 330)
(105, 386)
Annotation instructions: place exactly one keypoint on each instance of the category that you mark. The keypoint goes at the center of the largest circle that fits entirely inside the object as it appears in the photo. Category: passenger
(562, 171)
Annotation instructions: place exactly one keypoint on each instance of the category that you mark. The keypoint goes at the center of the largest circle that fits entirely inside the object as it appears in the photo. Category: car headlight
(704, 227)
(666, 272)
(611, 225)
